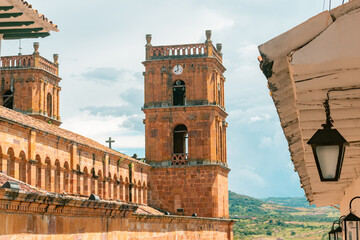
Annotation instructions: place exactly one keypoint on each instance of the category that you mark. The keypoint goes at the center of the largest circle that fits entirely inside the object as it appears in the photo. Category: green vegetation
(279, 218)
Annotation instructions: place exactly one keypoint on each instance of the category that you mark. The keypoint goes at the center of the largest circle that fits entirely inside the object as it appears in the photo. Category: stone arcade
(53, 171)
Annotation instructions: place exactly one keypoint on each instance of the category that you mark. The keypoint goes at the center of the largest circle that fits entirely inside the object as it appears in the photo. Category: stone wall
(201, 189)
(52, 217)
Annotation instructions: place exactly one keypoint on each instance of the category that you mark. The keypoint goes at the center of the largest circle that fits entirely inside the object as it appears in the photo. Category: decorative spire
(208, 35)
(148, 39)
(36, 47)
(56, 58)
(219, 47)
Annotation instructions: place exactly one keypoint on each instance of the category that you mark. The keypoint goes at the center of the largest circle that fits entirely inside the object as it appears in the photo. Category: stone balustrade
(180, 159)
(28, 61)
(31, 61)
(183, 51)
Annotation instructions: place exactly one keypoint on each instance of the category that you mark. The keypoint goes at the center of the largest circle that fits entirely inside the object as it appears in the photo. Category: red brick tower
(30, 85)
(185, 128)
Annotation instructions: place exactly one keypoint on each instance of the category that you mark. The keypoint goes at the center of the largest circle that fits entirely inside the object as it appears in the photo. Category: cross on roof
(110, 141)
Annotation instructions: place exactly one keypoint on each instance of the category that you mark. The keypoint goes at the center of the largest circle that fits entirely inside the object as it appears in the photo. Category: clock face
(178, 69)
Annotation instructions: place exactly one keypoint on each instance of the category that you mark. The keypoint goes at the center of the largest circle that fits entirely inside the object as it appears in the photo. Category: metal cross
(110, 141)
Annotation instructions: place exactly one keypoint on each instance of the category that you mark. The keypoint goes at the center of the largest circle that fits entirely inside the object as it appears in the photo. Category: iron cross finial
(110, 141)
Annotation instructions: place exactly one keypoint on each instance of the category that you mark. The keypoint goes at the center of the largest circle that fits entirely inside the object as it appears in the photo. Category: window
(180, 139)
(49, 105)
(179, 91)
(8, 99)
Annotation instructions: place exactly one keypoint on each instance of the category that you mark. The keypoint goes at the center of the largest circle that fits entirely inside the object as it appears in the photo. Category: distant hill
(283, 218)
(289, 202)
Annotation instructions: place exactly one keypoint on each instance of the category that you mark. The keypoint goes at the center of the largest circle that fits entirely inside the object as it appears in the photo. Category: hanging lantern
(351, 227)
(328, 147)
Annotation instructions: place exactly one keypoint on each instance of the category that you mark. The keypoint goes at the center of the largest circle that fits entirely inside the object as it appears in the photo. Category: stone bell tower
(185, 128)
(30, 85)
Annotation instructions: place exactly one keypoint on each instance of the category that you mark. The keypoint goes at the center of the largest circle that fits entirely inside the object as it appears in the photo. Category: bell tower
(30, 85)
(185, 128)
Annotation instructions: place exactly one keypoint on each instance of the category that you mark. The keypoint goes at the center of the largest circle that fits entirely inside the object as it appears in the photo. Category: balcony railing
(180, 159)
(28, 61)
(183, 51)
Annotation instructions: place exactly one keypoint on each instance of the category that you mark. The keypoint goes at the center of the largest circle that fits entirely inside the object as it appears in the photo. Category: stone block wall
(201, 189)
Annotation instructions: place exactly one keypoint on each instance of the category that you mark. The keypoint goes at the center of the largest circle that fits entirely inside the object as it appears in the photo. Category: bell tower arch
(185, 128)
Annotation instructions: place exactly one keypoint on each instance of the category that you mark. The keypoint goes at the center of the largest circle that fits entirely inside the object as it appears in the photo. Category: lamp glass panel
(339, 236)
(351, 230)
(328, 157)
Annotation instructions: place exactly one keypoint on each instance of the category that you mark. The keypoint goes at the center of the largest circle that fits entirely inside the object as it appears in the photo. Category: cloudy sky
(101, 47)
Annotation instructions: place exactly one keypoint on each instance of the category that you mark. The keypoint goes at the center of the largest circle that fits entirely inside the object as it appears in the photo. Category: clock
(178, 69)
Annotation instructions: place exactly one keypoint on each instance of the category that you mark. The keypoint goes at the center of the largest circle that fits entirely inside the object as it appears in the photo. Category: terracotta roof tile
(144, 209)
(23, 186)
(25, 120)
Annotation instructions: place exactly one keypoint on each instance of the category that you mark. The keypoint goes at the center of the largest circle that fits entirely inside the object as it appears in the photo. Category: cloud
(260, 118)
(106, 75)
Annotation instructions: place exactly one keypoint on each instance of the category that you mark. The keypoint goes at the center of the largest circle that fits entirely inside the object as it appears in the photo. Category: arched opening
(66, 177)
(100, 185)
(86, 182)
(92, 187)
(49, 107)
(8, 99)
(38, 171)
(179, 93)
(57, 176)
(180, 145)
(11, 163)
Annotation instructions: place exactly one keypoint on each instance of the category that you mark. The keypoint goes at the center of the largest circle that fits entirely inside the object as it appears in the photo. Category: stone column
(32, 173)
(41, 100)
(16, 169)
(96, 190)
(81, 183)
(52, 179)
(145, 196)
(61, 181)
(58, 105)
(105, 190)
(42, 176)
(111, 190)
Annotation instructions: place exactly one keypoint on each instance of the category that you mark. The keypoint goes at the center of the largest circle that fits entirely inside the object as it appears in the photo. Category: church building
(59, 184)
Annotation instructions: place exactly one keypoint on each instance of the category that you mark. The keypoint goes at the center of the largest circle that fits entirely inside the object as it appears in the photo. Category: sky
(101, 47)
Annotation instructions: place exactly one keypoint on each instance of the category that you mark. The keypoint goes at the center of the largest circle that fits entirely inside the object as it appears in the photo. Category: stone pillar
(141, 195)
(41, 100)
(106, 190)
(42, 176)
(111, 190)
(81, 184)
(73, 183)
(145, 196)
(96, 190)
(122, 191)
(58, 105)
(117, 197)
(16, 169)
(52, 179)
(61, 181)
(32, 173)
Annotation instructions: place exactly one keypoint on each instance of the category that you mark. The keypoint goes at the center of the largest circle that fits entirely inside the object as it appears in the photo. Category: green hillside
(279, 218)
(289, 202)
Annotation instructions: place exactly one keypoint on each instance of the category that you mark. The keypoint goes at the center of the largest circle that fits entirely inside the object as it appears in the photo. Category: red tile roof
(9, 115)
(23, 186)
(144, 209)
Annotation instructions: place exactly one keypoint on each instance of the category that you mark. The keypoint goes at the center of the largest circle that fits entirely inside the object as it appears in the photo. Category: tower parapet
(197, 50)
(30, 85)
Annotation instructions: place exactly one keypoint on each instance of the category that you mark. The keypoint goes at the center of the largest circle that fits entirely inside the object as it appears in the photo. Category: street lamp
(351, 224)
(328, 146)
(336, 233)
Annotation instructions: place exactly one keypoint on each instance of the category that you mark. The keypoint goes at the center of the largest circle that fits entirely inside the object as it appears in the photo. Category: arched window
(179, 93)
(8, 99)
(49, 106)
(180, 145)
